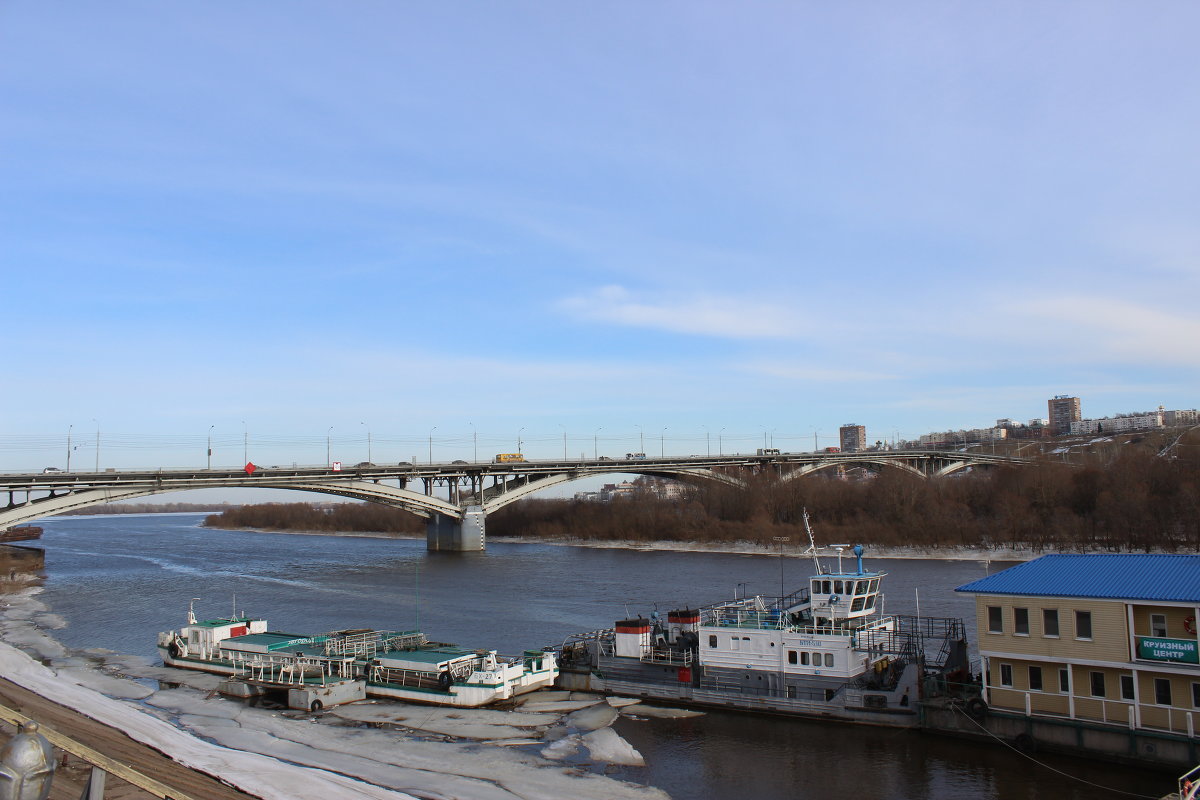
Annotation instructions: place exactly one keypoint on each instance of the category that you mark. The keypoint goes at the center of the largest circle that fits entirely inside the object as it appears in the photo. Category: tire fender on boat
(316, 705)
(173, 649)
(444, 680)
(977, 708)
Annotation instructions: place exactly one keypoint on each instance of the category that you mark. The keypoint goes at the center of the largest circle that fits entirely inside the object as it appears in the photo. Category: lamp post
(781, 540)
(69, 427)
(720, 443)
(475, 441)
(641, 440)
(368, 441)
(662, 443)
(564, 427)
(245, 443)
(595, 445)
(328, 442)
(519, 442)
(431, 430)
(97, 445)
(707, 441)
(210, 430)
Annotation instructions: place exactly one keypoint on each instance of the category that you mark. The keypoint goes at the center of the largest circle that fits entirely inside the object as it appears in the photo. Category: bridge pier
(466, 534)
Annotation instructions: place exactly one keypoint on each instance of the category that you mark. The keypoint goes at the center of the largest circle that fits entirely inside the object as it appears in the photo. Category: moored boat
(825, 650)
(341, 666)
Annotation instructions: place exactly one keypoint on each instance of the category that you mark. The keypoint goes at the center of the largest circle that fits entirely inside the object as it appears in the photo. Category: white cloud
(722, 316)
(1101, 329)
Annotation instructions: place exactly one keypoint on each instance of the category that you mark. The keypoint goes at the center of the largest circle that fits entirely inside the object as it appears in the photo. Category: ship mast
(812, 543)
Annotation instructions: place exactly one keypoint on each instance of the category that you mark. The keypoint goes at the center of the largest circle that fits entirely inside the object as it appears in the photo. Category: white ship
(343, 666)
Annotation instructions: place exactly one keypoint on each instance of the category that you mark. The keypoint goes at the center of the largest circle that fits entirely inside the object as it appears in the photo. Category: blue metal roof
(1166, 578)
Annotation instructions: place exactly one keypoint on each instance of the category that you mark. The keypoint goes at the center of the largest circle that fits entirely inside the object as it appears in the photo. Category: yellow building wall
(1110, 631)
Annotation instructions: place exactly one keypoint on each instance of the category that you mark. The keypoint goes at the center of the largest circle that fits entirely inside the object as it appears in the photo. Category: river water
(117, 581)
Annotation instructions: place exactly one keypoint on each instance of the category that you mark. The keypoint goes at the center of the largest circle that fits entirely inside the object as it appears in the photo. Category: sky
(679, 227)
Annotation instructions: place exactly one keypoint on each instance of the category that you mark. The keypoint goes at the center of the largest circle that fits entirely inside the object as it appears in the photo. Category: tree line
(1125, 498)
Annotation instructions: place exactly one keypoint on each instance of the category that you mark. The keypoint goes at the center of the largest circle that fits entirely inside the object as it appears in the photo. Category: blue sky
(529, 219)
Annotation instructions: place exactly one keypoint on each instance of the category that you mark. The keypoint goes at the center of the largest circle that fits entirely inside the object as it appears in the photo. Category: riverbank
(734, 548)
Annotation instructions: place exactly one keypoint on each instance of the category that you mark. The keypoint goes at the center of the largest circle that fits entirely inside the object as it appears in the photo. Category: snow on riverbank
(373, 750)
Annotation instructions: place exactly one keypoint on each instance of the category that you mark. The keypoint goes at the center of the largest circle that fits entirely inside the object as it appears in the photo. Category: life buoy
(1189, 625)
(316, 705)
(444, 680)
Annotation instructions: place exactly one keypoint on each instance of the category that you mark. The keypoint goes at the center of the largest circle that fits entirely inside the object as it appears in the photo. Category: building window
(1021, 621)
(1006, 675)
(712, 640)
(1158, 625)
(1126, 687)
(1083, 625)
(1035, 679)
(1064, 680)
(791, 656)
(995, 619)
(1162, 691)
(1050, 622)
(1196, 695)
(1097, 684)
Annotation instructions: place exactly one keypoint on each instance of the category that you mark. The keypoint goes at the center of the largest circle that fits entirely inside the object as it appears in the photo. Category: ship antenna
(192, 612)
(812, 543)
(234, 607)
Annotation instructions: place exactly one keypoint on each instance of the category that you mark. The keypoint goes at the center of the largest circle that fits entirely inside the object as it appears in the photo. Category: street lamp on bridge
(210, 430)
(431, 430)
(475, 440)
(328, 438)
(662, 443)
(97, 444)
(368, 441)
(69, 427)
(720, 443)
(519, 442)
(595, 443)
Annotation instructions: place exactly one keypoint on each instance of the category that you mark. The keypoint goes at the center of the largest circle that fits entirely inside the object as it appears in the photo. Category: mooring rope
(1047, 766)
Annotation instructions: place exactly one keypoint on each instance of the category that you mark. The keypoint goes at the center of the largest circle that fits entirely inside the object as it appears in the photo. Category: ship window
(816, 587)
(1097, 684)
(874, 585)
(1035, 679)
(861, 587)
(1158, 625)
(1006, 675)
(995, 619)
(712, 640)
(826, 587)
(1050, 622)
(1083, 625)
(857, 605)
(829, 659)
(816, 659)
(1162, 691)
(837, 587)
(791, 692)
(804, 660)
(1064, 680)
(1126, 687)
(1021, 621)
(792, 656)
(734, 643)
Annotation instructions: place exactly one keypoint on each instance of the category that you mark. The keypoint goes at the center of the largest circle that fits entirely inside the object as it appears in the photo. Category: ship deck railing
(666, 656)
(811, 694)
(367, 644)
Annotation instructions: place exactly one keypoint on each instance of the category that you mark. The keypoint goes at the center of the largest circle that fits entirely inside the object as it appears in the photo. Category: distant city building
(854, 438)
(1119, 424)
(974, 436)
(1182, 417)
(1063, 411)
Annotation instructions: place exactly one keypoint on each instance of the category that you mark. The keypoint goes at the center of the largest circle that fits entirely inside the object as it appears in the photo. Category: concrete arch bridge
(455, 497)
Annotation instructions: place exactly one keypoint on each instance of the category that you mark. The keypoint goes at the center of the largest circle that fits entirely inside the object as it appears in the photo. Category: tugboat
(343, 666)
(825, 650)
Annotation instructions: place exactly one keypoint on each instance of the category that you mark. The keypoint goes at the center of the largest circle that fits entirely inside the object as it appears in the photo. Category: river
(117, 581)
